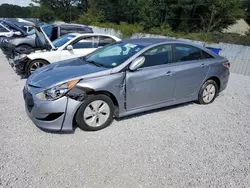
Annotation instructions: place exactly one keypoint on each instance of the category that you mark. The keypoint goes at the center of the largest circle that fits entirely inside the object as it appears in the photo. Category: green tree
(66, 10)
(14, 11)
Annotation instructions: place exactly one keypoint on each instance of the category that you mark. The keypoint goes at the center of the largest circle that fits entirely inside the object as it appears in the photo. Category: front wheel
(208, 92)
(34, 65)
(95, 113)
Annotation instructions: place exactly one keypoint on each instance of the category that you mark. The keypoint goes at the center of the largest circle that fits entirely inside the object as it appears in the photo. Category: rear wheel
(34, 65)
(95, 113)
(208, 92)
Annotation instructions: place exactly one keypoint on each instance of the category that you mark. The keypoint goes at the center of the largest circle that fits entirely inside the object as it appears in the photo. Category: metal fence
(238, 55)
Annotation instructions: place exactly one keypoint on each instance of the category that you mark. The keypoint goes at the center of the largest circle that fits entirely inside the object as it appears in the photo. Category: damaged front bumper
(57, 115)
(18, 65)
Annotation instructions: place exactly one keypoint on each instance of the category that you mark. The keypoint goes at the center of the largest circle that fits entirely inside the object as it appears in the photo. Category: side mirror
(18, 33)
(137, 63)
(69, 47)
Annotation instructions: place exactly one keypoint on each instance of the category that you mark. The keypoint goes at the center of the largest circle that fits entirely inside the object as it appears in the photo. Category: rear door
(154, 82)
(81, 47)
(191, 67)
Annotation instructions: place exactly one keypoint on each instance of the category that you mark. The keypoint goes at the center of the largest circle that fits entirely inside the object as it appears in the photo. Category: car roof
(95, 34)
(148, 41)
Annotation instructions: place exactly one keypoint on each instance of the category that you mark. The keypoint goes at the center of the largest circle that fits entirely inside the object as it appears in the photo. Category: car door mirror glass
(69, 47)
(137, 63)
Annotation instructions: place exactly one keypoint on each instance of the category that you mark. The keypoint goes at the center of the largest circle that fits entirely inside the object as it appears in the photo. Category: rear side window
(185, 52)
(206, 55)
(103, 41)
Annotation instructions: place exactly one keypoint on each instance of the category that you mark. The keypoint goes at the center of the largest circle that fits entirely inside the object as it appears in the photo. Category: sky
(16, 2)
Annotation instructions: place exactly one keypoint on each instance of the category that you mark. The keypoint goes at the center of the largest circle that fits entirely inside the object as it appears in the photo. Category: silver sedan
(121, 79)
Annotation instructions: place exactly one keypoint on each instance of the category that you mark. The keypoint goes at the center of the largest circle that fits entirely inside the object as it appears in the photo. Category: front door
(81, 47)
(154, 82)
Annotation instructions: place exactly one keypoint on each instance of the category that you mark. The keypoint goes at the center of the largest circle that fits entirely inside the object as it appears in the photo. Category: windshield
(63, 40)
(114, 55)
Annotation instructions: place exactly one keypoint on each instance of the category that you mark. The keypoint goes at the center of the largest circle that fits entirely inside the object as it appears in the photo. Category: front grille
(28, 99)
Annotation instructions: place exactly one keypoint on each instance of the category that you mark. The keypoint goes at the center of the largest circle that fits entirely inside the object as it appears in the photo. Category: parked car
(66, 47)
(53, 31)
(121, 79)
(9, 30)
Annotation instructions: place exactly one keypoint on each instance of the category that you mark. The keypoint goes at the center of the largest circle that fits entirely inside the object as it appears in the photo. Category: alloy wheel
(36, 66)
(96, 113)
(209, 93)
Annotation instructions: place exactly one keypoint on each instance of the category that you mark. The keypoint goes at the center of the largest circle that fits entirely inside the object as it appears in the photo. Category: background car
(122, 79)
(66, 47)
(10, 30)
(53, 32)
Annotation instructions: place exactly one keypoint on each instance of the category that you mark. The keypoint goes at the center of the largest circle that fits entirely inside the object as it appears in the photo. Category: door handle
(203, 65)
(169, 73)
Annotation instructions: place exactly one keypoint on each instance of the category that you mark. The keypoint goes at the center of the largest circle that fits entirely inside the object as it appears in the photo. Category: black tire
(201, 99)
(80, 113)
(29, 66)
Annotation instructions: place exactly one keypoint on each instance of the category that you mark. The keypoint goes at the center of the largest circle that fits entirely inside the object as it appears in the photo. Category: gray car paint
(171, 83)
(53, 74)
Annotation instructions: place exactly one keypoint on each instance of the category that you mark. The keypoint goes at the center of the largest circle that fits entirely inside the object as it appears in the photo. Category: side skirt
(161, 105)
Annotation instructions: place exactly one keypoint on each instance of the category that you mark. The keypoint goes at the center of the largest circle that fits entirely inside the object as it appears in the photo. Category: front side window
(114, 55)
(87, 42)
(185, 52)
(158, 56)
(63, 40)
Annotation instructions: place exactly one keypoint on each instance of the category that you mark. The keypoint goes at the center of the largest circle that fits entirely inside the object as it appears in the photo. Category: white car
(69, 46)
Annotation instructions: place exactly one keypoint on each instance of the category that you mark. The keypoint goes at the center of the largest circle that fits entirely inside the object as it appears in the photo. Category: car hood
(62, 72)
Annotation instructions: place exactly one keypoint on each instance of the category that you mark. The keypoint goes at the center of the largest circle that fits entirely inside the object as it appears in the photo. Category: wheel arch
(31, 61)
(216, 79)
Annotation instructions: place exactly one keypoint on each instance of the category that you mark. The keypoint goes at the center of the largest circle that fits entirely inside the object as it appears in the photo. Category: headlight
(20, 57)
(56, 92)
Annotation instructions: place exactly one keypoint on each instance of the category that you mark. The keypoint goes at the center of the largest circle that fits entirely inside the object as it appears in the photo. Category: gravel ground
(183, 146)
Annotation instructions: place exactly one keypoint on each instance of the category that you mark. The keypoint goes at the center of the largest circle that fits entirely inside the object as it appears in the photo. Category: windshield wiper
(95, 63)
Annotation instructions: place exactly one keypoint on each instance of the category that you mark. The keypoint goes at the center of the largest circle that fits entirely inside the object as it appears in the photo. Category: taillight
(227, 65)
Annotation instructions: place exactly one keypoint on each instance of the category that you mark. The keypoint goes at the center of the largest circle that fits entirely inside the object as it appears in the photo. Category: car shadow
(119, 119)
